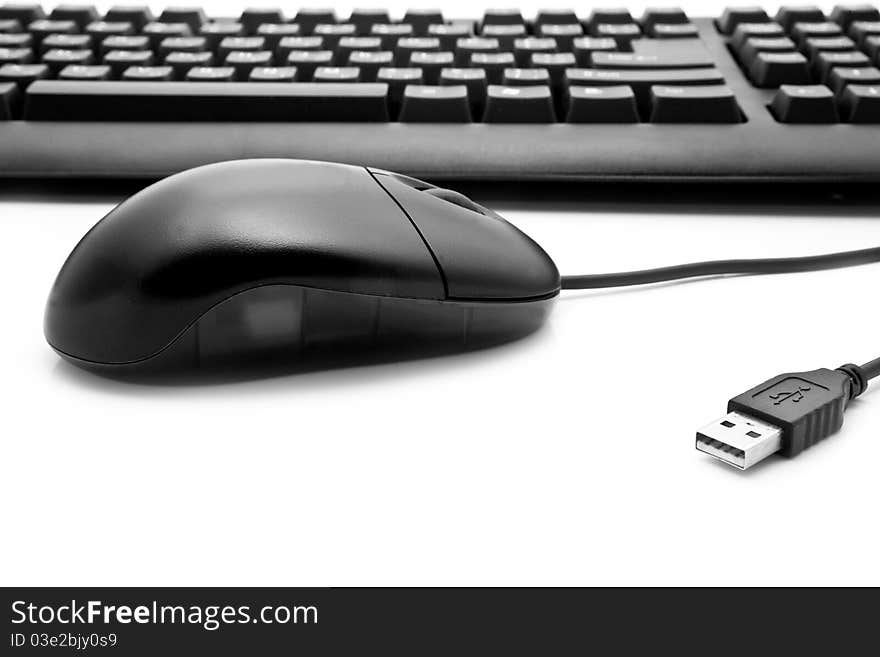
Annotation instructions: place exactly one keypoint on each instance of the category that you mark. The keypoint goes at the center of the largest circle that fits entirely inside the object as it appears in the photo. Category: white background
(566, 458)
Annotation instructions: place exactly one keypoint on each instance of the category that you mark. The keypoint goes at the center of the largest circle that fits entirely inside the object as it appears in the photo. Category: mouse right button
(482, 256)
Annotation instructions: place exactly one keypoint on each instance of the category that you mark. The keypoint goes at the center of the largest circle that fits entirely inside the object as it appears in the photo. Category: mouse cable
(787, 413)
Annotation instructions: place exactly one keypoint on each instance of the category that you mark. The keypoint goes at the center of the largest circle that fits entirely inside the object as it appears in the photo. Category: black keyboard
(793, 96)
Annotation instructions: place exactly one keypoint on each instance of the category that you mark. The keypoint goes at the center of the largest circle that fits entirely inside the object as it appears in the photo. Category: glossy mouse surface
(288, 258)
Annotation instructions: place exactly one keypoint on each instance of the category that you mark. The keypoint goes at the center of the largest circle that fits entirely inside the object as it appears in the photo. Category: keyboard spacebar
(62, 100)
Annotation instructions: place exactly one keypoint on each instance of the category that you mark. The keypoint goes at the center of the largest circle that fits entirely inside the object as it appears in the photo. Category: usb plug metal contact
(739, 440)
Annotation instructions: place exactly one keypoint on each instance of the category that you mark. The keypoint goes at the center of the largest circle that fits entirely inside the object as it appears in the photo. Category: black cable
(720, 267)
(869, 370)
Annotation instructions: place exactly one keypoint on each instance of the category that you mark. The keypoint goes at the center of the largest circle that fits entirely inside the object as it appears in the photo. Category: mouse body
(289, 259)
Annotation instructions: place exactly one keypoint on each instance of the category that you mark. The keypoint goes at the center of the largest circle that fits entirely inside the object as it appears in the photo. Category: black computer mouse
(288, 260)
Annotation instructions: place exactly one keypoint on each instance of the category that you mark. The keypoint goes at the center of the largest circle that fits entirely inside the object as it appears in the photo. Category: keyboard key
(556, 64)
(525, 77)
(23, 13)
(450, 34)
(804, 104)
(493, 63)
(556, 17)
(9, 100)
(273, 33)
(503, 17)
(752, 47)
(663, 31)
(695, 104)
(504, 34)
(58, 59)
(157, 31)
(194, 17)
(872, 48)
(814, 46)
(16, 40)
(523, 49)
(119, 60)
(519, 105)
(396, 81)
(826, 61)
(615, 104)
(746, 31)
(432, 104)
(240, 44)
(210, 74)
(623, 35)
(23, 74)
(474, 79)
(307, 61)
(215, 33)
(82, 15)
(800, 32)
(788, 16)
(348, 45)
(860, 103)
(734, 16)
(182, 44)
(464, 48)
(333, 32)
(663, 16)
(861, 30)
(841, 77)
(252, 19)
(66, 42)
(16, 56)
(148, 74)
(100, 30)
(370, 61)
(772, 69)
(420, 19)
(124, 43)
(564, 35)
(56, 100)
(390, 33)
(273, 74)
(584, 48)
(94, 72)
(612, 16)
(137, 16)
(408, 45)
(182, 62)
(244, 61)
(340, 74)
(42, 28)
(431, 64)
(288, 45)
(642, 81)
(9, 26)
(846, 15)
(626, 60)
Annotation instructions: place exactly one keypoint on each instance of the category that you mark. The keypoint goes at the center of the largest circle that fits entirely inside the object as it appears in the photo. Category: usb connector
(786, 414)
(739, 440)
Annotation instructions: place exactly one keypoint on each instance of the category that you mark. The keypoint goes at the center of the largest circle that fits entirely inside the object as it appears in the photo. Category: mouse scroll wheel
(458, 199)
